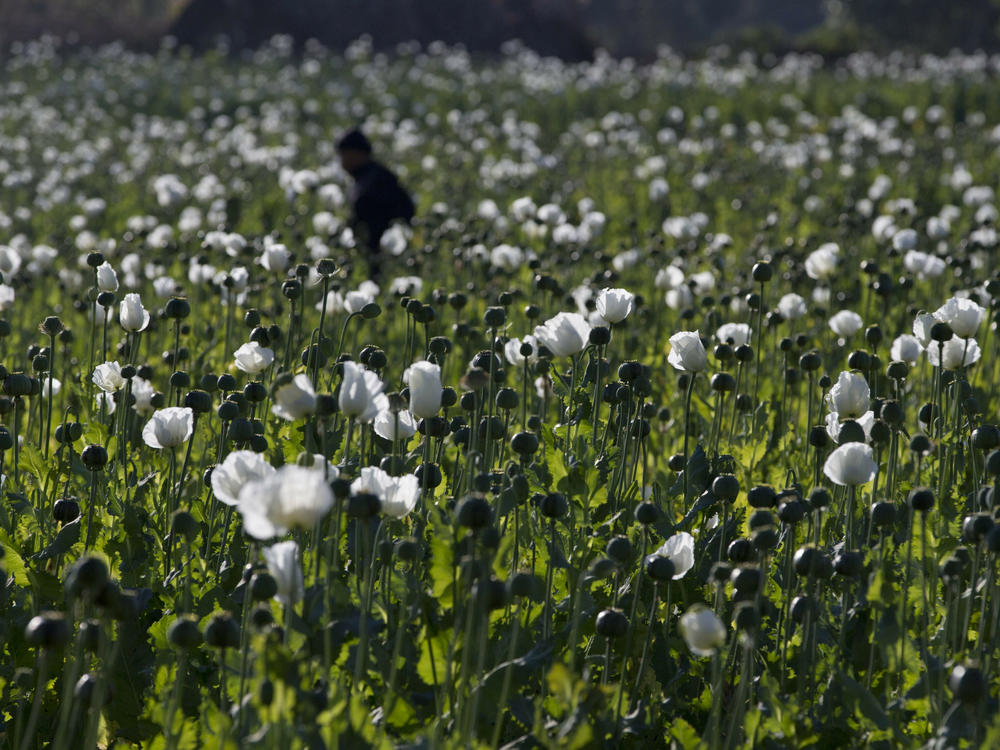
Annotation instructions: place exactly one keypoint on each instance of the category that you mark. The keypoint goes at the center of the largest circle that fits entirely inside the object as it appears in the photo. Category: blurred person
(377, 198)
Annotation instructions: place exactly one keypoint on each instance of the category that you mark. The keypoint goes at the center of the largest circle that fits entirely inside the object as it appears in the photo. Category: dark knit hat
(354, 140)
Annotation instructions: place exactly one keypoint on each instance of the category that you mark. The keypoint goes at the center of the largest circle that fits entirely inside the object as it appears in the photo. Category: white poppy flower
(236, 470)
(169, 427)
(284, 563)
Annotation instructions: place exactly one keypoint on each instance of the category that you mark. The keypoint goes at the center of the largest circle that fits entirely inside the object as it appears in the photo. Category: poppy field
(671, 420)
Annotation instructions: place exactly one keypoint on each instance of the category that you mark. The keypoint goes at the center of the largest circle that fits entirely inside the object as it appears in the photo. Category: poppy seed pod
(619, 549)
(812, 561)
(760, 518)
(177, 308)
(183, 524)
(897, 370)
(363, 505)
(762, 271)
(726, 487)
(803, 608)
(810, 361)
(746, 580)
(762, 496)
(723, 382)
(818, 437)
(66, 510)
(490, 594)
(222, 632)
(17, 385)
(747, 617)
(659, 568)
(199, 402)
(849, 563)
(88, 575)
(473, 512)
(646, 513)
(554, 505)
(48, 630)
(968, 684)
(941, 332)
(723, 352)
(432, 472)
(765, 539)
(183, 633)
(976, 527)
(495, 317)
(921, 444)
(94, 457)
(739, 551)
(859, 360)
(986, 437)
(599, 336)
(720, 572)
(883, 514)
(819, 498)
(611, 623)
(792, 512)
(263, 586)
(921, 499)
(524, 443)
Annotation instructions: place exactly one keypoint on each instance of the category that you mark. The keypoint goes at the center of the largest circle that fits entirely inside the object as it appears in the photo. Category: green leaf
(685, 734)
(68, 536)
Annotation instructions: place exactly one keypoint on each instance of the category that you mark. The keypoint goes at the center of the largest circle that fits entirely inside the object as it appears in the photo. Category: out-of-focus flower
(294, 398)
(846, 323)
(792, 306)
(702, 630)
(285, 566)
(822, 262)
(236, 470)
(736, 334)
(924, 265)
(906, 348)
(143, 392)
(398, 426)
(293, 497)
(922, 325)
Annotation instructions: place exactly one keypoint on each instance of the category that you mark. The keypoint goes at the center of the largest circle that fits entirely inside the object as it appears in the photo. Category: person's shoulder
(382, 171)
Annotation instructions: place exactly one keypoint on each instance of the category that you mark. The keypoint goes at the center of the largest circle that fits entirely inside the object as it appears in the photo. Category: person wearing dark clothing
(377, 198)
